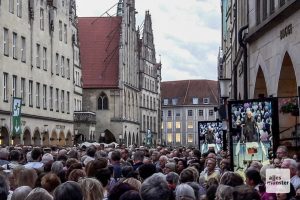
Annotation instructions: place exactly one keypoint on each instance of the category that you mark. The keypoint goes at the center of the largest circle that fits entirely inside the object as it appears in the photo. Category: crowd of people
(113, 173)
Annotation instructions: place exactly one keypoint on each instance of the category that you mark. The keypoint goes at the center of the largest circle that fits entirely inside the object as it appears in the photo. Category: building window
(144, 122)
(57, 64)
(23, 49)
(5, 42)
(57, 100)
(190, 125)
(177, 137)
(178, 124)
(62, 66)
(68, 102)
(257, 12)
(45, 58)
(5, 86)
(14, 46)
(169, 113)
(62, 101)
(205, 100)
(174, 101)
(11, 5)
(178, 114)
(281, 2)
(170, 138)
(30, 96)
(60, 31)
(211, 112)
(51, 98)
(200, 113)
(37, 95)
(195, 101)
(190, 138)
(45, 96)
(103, 102)
(14, 86)
(162, 113)
(166, 101)
(42, 19)
(272, 6)
(19, 8)
(65, 33)
(150, 102)
(68, 68)
(169, 125)
(190, 113)
(38, 55)
(264, 9)
(23, 90)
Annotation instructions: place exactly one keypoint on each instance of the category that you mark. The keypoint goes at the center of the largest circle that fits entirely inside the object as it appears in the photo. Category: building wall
(36, 67)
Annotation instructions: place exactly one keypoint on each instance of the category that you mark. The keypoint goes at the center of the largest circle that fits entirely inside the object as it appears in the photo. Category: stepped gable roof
(186, 90)
(99, 39)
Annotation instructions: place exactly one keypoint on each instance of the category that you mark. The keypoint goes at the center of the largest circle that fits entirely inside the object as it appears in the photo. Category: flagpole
(10, 121)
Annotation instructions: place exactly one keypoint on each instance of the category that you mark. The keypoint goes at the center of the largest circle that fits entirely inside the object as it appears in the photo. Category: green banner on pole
(17, 103)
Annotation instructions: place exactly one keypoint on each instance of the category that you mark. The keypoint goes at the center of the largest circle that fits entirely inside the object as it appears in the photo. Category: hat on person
(47, 157)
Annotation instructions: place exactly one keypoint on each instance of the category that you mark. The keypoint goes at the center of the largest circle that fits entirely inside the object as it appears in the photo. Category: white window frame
(60, 30)
(38, 55)
(45, 96)
(188, 138)
(19, 8)
(30, 94)
(205, 100)
(57, 63)
(62, 101)
(211, 112)
(11, 6)
(42, 19)
(5, 86)
(44, 58)
(177, 137)
(195, 101)
(65, 33)
(51, 98)
(190, 113)
(14, 45)
(202, 112)
(57, 99)
(23, 49)
(166, 101)
(190, 125)
(14, 86)
(178, 125)
(68, 102)
(5, 42)
(23, 90)
(62, 66)
(37, 95)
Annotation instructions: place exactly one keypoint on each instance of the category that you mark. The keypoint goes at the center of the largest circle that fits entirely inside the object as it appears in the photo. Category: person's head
(71, 188)
(231, 179)
(224, 192)
(181, 165)
(197, 153)
(39, 193)
(47, 158)
(155, 156)
(282, 152)
(4, 188)
(15, 155)
(263, 171)
(146, 170)
(290, 164)
(136, 184)
(50, 181)
(170, 167)
(72, 154)
(130, 195)
(70, 162)
(298, 192)
(245, 192)
(187, 175)
(118, 190)
(27, 177)
(256, 165)
(36, 154)
(76, 174)
(211, 164)
(277, 163)
(211, 192)
(225, 165)
(91, 151)
(124, 154)
(287, 196)
(91, 189)
(155, 187)
(4, 154)
(253, 178)
(115, 156)
(94, 165)
(211, 155)
(57, 167)
(138, 156)
(184, 192)
(162, 161)
(172, 178)
(103, 175)
(20, 193)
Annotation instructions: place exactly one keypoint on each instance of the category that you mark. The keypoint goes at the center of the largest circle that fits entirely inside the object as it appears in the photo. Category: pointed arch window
(103, 102)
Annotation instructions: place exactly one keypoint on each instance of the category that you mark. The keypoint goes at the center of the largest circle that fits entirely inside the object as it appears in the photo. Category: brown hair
(50, 182)
(76, 174)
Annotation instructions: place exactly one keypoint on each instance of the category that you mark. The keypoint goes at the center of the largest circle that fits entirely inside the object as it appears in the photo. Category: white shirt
(34, 165)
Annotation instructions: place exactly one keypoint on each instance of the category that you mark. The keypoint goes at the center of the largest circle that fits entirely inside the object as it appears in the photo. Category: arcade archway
(260, 85)
(53, 139)
(61, 139)
(69, 141)
(4, 137)
(36, 138)
(46, 140)
(27, 138)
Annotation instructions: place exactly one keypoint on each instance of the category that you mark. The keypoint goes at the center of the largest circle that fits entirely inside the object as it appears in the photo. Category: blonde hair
(136, 184)
(91, 188)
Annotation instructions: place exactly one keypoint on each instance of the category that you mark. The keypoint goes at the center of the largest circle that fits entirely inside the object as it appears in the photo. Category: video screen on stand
(251, 127)
(210, 135)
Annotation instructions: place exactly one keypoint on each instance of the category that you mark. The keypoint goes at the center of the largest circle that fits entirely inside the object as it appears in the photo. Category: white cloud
(187, 33)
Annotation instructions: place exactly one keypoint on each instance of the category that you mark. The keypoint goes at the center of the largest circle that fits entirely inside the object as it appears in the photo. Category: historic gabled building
(184, 104)
(112, 74)
(39, 62)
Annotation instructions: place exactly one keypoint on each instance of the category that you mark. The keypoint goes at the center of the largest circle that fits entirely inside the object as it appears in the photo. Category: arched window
(103, 102)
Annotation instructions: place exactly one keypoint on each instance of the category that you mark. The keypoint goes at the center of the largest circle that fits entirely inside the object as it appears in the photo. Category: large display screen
(252, 124)
(210, 134)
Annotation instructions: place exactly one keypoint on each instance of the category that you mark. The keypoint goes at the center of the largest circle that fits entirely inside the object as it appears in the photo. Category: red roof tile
(99, 39)
(186, 90)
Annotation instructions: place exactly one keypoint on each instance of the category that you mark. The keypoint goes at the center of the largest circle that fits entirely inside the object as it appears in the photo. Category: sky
(187, 33)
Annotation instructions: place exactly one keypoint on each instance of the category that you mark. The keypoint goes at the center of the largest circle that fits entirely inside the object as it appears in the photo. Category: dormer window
(174, 101)
(205, 100)
(166, 102)
(195, 101)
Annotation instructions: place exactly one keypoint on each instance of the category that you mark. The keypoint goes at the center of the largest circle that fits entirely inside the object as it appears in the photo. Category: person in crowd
(297, 193)
(103, 176)
(162, 162)
(292, 165)
(76, 174)
(36, 155)
(120, 188)
(231, 179)
(253, 179)
(155, 159)
(277, 163)
(138, 158)
(96, 164)
(4, 153)
(124, 155)
(115, 162)
(130, 195)
(184, 192)
(91, 189)
(4, 188)
(146, 170)
(224, 166)
(71, 188)
(169, 167)
(181, 165)
(50, 181)
(26, 177)
(282, 153)
(155, 187)
(136, 184)
(39, 193)
(211, 171)
(21, 193)
(173, 180)
(287, 196)
(224, 192)
(245, 192)
(14, 159)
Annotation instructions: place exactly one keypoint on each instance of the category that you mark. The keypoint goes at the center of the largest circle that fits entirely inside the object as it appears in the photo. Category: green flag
(17, 102)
